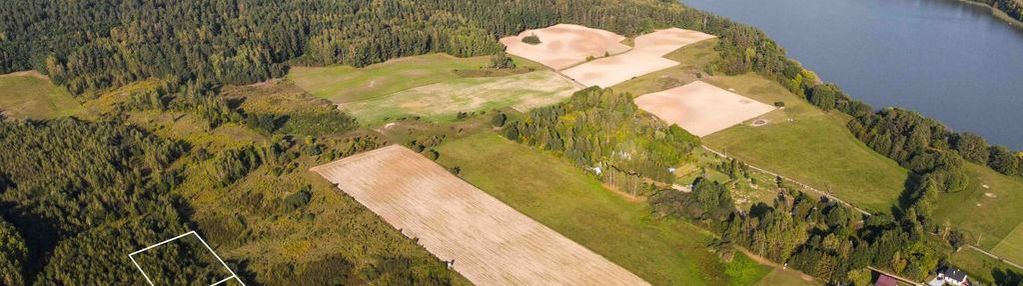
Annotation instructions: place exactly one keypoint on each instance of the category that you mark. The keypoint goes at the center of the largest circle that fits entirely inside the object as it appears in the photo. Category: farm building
(950, 276)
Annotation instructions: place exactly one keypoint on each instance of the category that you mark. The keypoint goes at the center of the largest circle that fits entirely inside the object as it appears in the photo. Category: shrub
(532, 40)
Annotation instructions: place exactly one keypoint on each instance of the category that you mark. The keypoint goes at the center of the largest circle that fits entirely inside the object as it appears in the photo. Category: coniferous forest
(73, 191)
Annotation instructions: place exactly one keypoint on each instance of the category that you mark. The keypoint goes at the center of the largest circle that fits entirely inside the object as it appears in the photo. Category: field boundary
(233, 275)
(805, 186)
(476, 234)
(829, 196)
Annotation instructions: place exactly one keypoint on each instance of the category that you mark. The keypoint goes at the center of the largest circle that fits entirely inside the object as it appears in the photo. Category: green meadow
(562, 196)
(32, 96)
(434, 86)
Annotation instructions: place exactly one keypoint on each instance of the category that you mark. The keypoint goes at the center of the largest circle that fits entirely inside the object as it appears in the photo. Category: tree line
(604, 131)
(820, 237)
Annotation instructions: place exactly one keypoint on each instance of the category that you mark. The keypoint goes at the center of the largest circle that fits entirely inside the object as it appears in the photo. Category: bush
(298, 199)
(499, 119)
(532, 40)
(779, 104)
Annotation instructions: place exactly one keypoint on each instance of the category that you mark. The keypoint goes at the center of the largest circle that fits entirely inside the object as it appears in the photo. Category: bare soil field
(565, 45)
(646, 57)
(701, 108)
(489, 242)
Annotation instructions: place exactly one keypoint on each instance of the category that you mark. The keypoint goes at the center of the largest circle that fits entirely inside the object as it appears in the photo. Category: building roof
(885, 280)
(954, 273)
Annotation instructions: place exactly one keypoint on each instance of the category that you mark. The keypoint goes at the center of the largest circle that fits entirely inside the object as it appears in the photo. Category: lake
(947, 60)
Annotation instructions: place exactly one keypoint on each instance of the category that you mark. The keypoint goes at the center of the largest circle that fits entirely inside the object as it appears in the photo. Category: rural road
(762, 170)
(723, 155)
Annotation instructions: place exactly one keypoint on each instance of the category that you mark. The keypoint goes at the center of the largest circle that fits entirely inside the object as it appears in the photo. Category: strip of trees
(605, 132)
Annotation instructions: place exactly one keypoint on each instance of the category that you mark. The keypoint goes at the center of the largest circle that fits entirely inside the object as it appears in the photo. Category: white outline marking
(233, 275)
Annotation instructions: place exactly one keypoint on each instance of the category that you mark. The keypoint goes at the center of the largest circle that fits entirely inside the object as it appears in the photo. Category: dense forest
(76, 191)
(79, 191)
(604, 131)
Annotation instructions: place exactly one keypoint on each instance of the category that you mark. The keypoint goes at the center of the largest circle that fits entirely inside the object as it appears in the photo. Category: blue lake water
(947, 60)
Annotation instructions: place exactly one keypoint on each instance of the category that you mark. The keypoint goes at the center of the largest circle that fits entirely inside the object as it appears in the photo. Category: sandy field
(565, 45)
(489, 242)
(646, 57)
(701, 108)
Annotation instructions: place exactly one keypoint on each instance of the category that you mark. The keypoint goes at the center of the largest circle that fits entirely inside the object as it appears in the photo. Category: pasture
(646, 57)
(564, 197)
(701, 108)
(442, 101)
(992, 214)
(435, 86)
(343, 84)
(810, 146)
(30, 95)
(489, 242)
(565, 45)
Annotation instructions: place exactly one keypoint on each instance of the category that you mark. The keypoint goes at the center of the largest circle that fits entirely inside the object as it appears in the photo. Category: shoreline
(997, 13)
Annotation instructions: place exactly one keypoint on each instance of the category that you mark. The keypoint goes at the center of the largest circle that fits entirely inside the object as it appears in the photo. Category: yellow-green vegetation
(980, 267)
(287, 225)
(442, 101)
(346, 83)
(786, 277)
(692, 58)
(32, 96)
(810, 146)
(562, 196)
(800, 141)
(989, 210)
(435, 86)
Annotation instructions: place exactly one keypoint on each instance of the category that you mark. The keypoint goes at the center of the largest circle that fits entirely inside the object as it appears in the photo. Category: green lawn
(810, 146)
(785, 277)
(993, 214)
(563, 197)
(442, 101)
(32, 96)
(979, 266)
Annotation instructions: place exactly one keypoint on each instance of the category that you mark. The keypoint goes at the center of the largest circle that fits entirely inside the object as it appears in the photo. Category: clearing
(646, 57)
(565, 45)
(342, 84)
(489, 242)
(442, 101)
(434, 86)
(564, 197)
(701, 108)
(30, 95)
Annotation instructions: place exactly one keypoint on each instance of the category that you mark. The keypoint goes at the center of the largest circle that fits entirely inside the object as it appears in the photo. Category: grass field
(810, 146)
(785, 277)
(981, 267)
(563, 197)
(993, 214)
(346, 83)
(489, 242)
(442, 101)
(815, 148)
(434, 86)
(31, 95)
